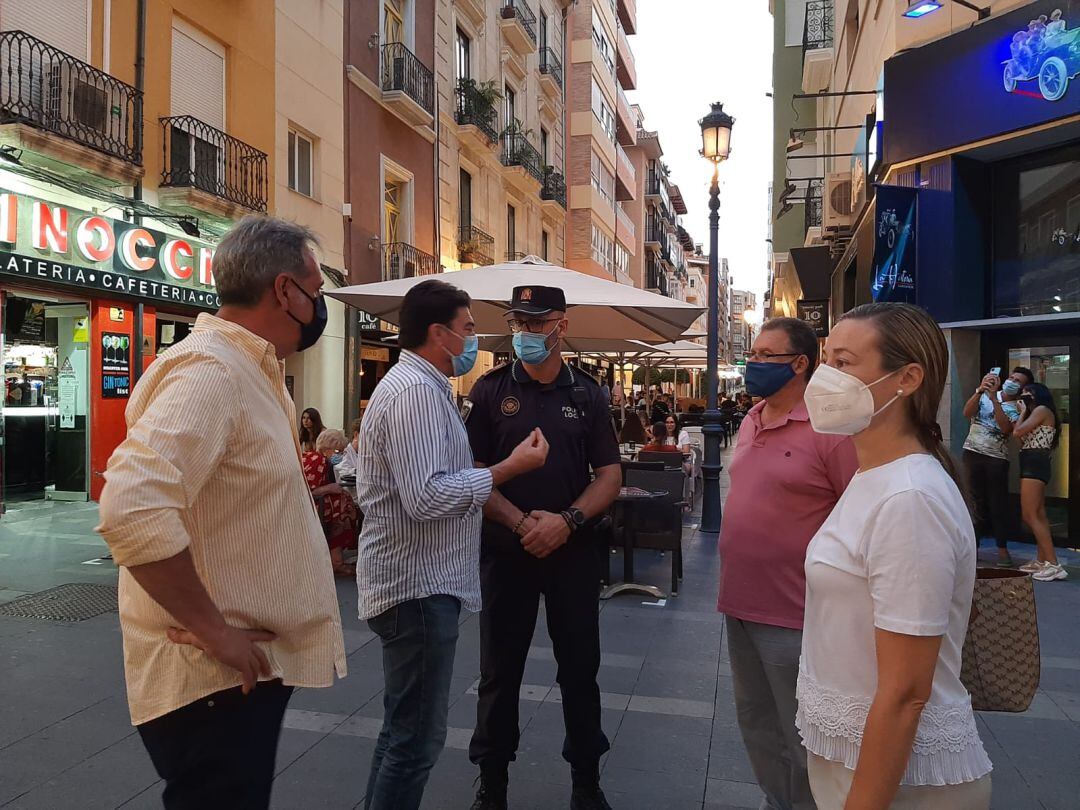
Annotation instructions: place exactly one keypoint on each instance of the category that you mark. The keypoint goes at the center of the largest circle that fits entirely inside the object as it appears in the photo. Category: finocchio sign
(41, 241)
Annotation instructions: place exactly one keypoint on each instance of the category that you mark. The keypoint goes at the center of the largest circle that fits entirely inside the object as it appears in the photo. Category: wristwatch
(575, 518)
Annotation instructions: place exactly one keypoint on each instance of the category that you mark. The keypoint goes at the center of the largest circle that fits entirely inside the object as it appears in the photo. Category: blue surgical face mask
(765, 379)
(337, 458)
(463, 363)
(532, 348)
(1011, 388)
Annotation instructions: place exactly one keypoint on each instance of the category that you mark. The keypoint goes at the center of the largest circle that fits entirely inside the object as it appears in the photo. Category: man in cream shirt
(227, 596)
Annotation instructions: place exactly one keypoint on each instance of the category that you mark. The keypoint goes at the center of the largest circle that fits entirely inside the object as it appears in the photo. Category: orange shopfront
(86, 304)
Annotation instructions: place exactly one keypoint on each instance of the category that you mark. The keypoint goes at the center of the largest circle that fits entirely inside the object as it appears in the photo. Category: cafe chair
(671, 461)
(660, 522)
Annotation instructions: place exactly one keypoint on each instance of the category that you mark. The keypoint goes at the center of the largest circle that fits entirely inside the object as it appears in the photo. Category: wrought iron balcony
(652, 184)
(45, 88)
(517, 151)
(551, 66)
(203, 157)
(475, 110)
(475, 246)
(403, 72)
(554, 187)
(654, 232)
(519, 11)
(813, 211)
(818, 31)
(401, 260)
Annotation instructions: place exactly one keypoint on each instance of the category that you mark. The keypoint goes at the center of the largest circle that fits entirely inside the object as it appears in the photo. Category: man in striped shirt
(227, 598)
(419, 549)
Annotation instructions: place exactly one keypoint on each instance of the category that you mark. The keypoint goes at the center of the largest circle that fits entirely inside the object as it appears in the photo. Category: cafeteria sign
(40, 241)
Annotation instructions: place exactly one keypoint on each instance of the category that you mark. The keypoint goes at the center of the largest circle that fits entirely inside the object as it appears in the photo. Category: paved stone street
(65, 739)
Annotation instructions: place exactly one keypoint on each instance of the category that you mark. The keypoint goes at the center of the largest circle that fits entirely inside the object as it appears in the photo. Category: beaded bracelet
(520, 523)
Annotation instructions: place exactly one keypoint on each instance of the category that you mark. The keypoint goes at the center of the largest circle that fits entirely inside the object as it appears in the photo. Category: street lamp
(715, 146)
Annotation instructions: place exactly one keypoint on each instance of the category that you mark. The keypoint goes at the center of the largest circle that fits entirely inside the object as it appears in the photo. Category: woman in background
(337, 512)
(1039, 429)
(311, 425)
(657, 443)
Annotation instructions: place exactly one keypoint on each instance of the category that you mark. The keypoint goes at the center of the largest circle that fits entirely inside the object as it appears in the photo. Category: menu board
(69, 390)
(115, 365)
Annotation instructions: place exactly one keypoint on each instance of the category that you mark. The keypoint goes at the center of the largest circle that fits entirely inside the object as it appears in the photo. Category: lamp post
(715, 147)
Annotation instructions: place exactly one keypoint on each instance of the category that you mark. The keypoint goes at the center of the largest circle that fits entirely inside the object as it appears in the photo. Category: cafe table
(628, 501)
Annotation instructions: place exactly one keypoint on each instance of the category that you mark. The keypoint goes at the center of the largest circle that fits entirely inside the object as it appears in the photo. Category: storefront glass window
(1037, 236)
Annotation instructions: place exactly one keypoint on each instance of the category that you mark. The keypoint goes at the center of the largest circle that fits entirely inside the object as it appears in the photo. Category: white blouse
(897, 553)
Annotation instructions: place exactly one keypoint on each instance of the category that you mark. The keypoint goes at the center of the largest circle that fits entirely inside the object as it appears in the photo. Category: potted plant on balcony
(487, 91)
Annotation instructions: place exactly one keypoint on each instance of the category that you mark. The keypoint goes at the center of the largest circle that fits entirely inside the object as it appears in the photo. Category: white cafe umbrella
(598, 308)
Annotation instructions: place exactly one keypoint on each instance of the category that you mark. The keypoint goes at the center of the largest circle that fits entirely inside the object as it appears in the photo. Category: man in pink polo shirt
(785, 480)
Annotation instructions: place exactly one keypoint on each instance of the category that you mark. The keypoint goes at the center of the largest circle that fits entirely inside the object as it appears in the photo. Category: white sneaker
(1050, 572)
(1033, 566)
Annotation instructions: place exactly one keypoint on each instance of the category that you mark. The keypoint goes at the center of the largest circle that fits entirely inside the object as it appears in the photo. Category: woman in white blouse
(889, 578)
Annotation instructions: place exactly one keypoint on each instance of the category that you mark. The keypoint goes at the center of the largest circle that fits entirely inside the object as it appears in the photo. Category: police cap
(530, 300)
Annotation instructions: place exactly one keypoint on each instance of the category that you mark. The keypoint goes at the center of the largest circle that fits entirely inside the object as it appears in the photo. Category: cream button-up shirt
(211, 464)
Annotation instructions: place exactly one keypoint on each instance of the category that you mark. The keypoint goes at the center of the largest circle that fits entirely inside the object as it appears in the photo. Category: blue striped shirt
(421, 496)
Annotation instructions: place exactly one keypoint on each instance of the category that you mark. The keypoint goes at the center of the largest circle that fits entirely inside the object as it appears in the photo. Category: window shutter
(61, 23)
(198, 80)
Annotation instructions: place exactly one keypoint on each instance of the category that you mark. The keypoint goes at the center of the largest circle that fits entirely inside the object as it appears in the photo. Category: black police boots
(492, 792)
(587, 794)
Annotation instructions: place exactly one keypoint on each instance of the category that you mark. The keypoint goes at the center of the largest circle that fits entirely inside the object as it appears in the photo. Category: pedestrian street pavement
(66, 741)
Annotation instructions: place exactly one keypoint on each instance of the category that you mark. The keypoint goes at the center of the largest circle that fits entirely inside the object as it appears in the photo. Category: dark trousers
(219, 751)
(512, 582)
(419, 638)
(988, 480)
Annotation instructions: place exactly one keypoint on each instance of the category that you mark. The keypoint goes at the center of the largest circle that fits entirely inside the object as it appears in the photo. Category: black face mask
(311, 331)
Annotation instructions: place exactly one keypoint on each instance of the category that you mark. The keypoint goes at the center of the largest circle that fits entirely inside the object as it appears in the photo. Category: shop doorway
(1054, 358)
(46, 403)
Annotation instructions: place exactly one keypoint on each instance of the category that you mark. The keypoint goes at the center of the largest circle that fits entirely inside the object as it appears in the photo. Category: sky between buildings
(693, 52)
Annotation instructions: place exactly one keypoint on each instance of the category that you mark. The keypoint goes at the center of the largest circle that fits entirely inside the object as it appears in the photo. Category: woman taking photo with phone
(1039, 430)
(889, 577)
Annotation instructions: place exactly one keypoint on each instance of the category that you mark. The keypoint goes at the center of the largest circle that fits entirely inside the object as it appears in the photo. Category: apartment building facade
(953, 185)
(601, 177)
(698, 293)
(742, 333)
(133, 135)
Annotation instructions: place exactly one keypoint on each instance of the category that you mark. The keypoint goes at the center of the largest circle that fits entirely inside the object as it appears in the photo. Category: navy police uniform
(503, 407)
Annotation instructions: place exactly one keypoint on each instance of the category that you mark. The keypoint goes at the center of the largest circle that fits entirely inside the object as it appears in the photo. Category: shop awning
(814, 267)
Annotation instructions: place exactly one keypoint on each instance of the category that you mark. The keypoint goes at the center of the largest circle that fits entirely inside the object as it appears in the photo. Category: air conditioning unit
(837, 201)
(72, 102)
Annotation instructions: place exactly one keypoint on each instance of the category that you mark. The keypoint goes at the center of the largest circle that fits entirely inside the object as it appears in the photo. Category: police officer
(540, 537)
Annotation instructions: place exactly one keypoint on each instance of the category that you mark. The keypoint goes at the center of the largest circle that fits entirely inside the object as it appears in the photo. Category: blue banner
(895, 268)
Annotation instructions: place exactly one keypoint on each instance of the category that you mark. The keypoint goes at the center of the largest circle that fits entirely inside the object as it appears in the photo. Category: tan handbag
(1001, 664)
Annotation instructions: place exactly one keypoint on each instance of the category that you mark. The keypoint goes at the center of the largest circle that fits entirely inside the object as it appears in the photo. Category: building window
(511, 232)
(301, 150)
(393, 211)
(603, 250)
(544, 146)
(603, 44)
(198, 76)
(393, 21)
(543, 30)
(464, 55)
(1037, 234)
(465, 200)
(603, 111)
(602, 179)
(509, 106)
(622, 260)
(544, 246)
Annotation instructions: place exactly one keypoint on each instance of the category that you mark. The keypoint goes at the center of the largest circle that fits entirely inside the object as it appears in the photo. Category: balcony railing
(45, 88)
(517, 151)
(654, 231)
(554, 187)
(551, 66)
(401, 260)
(818, 31)
(404, 72)
(475, 110)
(519, 10)
(813, 211)
(200, 156)
(624, 160)
(475, 246)
(655, 278)
(625, 221)
(652, 183)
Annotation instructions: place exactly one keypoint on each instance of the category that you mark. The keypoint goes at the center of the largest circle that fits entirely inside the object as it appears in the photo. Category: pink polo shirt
(785, 480)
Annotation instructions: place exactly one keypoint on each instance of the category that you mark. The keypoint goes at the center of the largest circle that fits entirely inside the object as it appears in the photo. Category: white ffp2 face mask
(841, 404)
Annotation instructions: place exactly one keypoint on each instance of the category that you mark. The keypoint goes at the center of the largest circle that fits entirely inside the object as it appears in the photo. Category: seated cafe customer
(658, 441)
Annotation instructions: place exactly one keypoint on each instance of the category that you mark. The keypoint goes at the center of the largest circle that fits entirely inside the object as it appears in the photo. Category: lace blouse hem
(938, 769)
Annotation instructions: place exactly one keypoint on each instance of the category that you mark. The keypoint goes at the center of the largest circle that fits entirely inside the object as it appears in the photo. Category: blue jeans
(419, 638)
